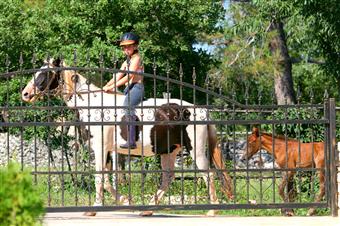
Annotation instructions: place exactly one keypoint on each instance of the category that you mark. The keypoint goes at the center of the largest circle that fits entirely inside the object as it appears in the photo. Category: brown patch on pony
(163, 130)
(123, 127)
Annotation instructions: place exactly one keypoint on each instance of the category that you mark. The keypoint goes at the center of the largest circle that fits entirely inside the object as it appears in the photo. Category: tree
(168, 30)
(268, 45)
(324, 23)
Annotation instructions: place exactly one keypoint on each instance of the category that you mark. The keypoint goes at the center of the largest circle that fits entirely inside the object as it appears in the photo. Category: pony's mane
(68, 76)
(281, 137)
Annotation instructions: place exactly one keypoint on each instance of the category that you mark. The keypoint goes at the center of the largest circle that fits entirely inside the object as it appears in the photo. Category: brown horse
(289, 154)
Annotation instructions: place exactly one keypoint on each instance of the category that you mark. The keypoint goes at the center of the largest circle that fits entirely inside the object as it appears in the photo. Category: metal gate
(53, 140)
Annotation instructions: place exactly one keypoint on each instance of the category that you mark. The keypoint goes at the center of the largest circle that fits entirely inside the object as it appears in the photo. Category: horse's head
(253, 145)
(44, 80)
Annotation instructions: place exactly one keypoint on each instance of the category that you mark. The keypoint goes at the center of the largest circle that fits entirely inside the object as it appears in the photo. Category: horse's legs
(202, 163)
(108, 147)
(168, 165)
(286, 180)
(198, 154)
(312, 211)
(101, 150)
(98, 181)
(121, 199)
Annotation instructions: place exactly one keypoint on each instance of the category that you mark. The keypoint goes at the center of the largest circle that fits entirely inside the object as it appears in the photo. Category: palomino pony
(77, 92)
(289, 154)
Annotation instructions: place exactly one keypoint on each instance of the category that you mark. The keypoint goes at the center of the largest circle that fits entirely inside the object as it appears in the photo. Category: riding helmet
(128, 39)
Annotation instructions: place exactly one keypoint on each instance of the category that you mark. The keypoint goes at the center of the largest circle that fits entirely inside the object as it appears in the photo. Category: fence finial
(75, 57)
(298, 94)
(21, 60)
(194, 76)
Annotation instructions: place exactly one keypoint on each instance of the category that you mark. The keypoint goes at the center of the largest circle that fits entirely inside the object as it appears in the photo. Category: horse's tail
(216, 155)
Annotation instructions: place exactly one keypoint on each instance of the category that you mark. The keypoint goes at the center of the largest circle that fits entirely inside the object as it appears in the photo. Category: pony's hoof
(146, 213)
(124, 201)
(287, 212)
(90, 214)
(211, 213)
(311, 212)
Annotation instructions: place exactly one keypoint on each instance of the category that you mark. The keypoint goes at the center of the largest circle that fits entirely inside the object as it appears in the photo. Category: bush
(20, 202)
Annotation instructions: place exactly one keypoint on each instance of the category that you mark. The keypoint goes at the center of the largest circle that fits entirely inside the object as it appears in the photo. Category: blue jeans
(134, 94)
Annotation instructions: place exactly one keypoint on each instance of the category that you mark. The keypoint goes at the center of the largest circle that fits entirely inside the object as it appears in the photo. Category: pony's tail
(216, 156)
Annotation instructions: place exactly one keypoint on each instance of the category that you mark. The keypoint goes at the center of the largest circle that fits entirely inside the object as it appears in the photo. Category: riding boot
(131, 141)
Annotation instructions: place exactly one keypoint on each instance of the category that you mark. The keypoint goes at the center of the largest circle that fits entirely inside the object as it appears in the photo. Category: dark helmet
(128, 39)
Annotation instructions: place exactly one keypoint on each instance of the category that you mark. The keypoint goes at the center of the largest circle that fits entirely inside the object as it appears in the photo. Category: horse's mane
(68, 76)
(281, 137)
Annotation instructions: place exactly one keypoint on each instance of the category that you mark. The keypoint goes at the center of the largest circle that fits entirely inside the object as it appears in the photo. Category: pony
(289, 154)
(97, 106)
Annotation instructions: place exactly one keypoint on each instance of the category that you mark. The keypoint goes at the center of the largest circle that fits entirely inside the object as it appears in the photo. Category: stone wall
(30, 153)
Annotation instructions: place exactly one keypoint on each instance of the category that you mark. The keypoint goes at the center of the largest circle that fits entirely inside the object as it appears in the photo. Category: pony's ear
(56, 62)
(252, 138)
(256, 131)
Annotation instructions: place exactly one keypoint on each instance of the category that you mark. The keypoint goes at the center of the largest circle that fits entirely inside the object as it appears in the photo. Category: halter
(41, 93)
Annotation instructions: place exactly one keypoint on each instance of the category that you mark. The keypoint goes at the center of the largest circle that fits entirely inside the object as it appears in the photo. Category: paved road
(132, 219)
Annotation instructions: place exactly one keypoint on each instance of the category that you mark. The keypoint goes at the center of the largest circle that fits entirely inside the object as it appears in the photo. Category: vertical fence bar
(7, 63)
(33, 61)
(21, 62)
(88, 135)
(338, 176)
(74, 81)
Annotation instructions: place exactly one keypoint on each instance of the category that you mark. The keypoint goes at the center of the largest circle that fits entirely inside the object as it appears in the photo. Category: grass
(59, 190)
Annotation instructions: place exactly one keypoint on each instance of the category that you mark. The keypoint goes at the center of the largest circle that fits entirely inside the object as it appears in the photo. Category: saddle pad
(146, 150)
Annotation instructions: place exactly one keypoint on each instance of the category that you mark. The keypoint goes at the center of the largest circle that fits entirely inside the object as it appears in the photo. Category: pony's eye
(40, 87)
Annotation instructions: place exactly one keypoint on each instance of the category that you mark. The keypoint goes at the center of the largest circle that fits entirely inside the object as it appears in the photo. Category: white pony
(105, 110)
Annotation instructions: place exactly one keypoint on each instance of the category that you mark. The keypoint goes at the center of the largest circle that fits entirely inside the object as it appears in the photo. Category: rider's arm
(116, 77)
(134, 66)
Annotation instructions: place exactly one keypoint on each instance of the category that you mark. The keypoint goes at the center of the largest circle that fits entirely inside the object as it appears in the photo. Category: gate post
(333, 157)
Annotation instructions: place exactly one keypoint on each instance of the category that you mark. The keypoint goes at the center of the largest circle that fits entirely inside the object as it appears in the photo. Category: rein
(79, 93)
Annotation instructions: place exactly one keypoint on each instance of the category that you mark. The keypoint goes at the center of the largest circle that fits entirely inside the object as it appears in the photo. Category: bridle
(47, 88)
(60, 89)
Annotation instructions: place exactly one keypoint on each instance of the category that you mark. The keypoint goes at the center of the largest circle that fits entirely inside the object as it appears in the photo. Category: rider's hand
(109, 89)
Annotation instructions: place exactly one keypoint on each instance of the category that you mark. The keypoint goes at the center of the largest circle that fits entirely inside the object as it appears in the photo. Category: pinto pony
(54, 77)
(289, 154)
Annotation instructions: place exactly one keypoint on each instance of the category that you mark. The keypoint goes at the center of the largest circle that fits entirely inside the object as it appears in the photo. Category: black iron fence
(54, 137)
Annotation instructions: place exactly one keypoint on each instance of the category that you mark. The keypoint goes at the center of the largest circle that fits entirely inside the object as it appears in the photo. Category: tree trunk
(284, 90)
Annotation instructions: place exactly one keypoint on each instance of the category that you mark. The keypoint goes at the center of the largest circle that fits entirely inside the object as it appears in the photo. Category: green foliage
(323, 18)
(303, 132)
(20, 201)
(168, 31)
(10, 97)
(311, 37)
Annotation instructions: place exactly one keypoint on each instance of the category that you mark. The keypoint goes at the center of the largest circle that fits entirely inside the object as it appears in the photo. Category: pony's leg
(168, 165)
(101, 153)
(120, 199)
(312, 211)
(108, 147)
(286, 180)
(98, 178)
(202, 163)
(198, 154)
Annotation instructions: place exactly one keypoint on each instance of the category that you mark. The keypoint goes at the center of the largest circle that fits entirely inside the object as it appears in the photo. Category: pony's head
(45, 80)
(253, 145)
